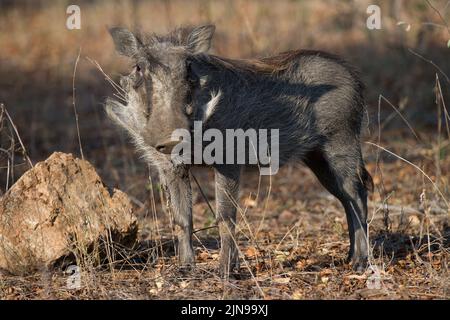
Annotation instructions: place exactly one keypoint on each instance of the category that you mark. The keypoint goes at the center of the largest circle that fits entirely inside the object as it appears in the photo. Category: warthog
(313, 98)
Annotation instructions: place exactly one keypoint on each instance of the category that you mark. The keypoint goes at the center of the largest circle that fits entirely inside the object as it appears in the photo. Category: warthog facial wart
(184, 107)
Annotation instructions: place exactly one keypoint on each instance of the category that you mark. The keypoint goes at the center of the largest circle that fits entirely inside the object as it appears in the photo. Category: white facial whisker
(120, 98)
(210, 107)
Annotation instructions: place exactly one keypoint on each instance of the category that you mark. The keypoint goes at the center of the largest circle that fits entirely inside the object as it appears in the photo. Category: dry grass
(299, 251)
(291, 233)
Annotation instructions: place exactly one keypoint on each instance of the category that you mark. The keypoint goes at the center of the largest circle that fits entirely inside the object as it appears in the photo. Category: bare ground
(292, 238)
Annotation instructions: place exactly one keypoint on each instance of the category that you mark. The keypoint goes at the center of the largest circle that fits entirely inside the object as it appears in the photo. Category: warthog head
(158, 93)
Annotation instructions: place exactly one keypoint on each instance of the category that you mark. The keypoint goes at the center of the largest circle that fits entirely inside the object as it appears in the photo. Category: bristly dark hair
(274, 64)
(177, 37)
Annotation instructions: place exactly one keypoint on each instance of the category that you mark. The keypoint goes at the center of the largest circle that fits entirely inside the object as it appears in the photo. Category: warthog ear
(199, 40)
(125, 42)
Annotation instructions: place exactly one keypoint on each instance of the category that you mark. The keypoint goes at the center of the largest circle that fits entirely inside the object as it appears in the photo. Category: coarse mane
(267, 65)
(273, 64)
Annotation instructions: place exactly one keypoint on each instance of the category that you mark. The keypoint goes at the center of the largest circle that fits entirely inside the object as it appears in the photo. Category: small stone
(286, 216)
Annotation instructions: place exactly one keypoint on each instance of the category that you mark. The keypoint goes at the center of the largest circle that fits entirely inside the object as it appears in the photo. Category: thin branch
(415, 166)
(74, 104)
(440, 15)
(447, 115)
(430, 62)
(401, 116)
(2, 106)
(203, 195)
(117, 87)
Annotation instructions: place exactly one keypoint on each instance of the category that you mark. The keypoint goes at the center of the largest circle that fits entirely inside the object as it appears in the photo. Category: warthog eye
(139, 67)
(139, 76)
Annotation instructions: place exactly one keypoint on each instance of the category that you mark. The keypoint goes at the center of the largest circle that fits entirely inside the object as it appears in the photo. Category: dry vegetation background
(292, 234)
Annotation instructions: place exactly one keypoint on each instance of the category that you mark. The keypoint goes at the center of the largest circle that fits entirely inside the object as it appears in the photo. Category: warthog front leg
(227, 196)
(178, 190)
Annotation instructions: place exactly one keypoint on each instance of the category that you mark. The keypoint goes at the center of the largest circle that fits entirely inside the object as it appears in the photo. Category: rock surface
(56, 208)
